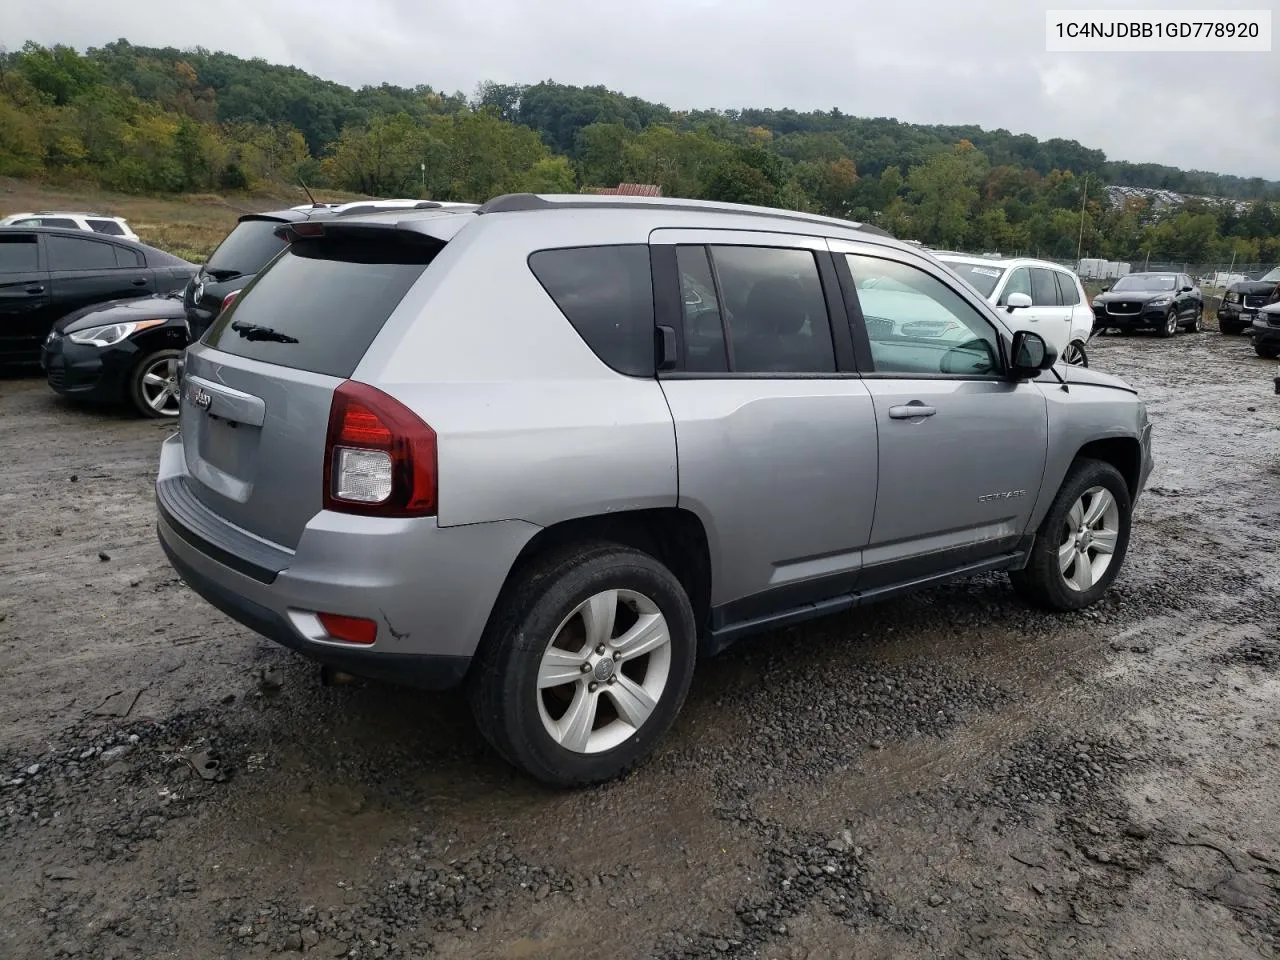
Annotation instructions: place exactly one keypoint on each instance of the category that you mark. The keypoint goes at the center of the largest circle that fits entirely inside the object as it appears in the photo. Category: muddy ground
(952, 775)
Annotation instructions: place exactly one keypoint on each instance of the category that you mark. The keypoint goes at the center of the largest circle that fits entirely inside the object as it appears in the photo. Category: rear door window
(58, 222)
(606, 293)
(19, 253)
(246, 249)
(1067, 289)
(72, 253)
(320, 305)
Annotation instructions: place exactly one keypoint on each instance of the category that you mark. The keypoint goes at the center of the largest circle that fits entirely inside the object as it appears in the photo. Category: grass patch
(186, 225)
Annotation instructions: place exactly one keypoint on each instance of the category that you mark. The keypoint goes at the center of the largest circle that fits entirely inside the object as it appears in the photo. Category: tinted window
(918, 325)
(246, 249)
(128, 257)
(704, 348)
(982, 277)
(774, 310)
(109, 227)
(322, 302)
(72, 253)
(1067, 289)
(59, 222)
(607, 294)
(1044, 290)
(1019, 282)
(18, 254)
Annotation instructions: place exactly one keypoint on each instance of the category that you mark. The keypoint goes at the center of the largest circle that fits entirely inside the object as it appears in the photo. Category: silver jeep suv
(554, 448)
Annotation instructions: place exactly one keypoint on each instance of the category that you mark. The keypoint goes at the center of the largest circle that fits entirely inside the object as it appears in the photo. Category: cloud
(921, 62)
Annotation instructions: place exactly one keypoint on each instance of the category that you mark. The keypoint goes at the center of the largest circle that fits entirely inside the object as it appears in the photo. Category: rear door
(25, 313)
(269, 365)
(774, 430)
(962, 448)
(86, 271)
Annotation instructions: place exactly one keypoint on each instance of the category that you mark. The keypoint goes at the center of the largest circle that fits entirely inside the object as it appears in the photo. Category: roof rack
(375, 208)
(522, 202)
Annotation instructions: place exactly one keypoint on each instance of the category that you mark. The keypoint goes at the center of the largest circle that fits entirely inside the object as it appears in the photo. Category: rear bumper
(430, 589)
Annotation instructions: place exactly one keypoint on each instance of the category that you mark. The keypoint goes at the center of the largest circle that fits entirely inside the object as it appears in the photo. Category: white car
(1037, 295)
(90, 222)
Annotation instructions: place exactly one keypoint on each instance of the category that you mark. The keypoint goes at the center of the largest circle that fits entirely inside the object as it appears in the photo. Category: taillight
(229, 299)
(379, 457)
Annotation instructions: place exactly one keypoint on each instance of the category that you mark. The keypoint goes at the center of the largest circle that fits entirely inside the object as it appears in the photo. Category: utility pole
(1084, 194)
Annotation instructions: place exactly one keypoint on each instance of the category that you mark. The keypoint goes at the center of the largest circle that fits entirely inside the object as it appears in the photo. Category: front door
(961, 448)
(25, 314)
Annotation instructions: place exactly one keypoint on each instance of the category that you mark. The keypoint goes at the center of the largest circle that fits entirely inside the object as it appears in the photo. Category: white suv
(90, 222)
(1034, 295)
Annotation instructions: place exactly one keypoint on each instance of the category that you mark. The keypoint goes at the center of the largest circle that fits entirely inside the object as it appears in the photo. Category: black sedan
(47, 272)
(1165, 302)
(121, 351)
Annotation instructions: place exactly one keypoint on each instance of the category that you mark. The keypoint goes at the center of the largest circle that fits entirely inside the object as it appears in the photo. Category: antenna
(303, 185)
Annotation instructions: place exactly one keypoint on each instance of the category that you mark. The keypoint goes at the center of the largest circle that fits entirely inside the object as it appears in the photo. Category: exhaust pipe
(329, 677)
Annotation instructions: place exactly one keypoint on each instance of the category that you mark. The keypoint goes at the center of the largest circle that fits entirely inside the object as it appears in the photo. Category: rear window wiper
(252, 331)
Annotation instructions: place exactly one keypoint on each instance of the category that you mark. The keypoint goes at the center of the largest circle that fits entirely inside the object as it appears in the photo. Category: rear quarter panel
(531, 425)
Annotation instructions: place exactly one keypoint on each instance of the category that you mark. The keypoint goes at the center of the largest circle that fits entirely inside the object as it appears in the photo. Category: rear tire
(154, 390)
(1197, 324)
(544, 696)
(1074, 355)
(1071, 535)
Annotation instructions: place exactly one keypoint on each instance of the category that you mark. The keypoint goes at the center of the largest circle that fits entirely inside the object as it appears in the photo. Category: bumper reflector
(348, 629)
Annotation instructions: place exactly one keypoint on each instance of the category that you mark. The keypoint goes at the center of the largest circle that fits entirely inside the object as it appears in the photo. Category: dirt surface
(952, 775)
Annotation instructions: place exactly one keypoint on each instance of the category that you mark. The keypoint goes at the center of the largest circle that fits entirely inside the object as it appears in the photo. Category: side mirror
(1031, 354)
(1186, 289)
(1017, 301)
(1106, 289)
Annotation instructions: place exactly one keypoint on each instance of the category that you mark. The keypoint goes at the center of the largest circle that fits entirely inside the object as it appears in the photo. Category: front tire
(1266, 351)
(586, 662)
(1082, 540)
(154, 390)
(1170, 327)
(1229, 329)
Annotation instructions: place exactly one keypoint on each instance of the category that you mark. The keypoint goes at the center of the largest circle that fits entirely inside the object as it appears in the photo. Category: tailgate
(258, 390)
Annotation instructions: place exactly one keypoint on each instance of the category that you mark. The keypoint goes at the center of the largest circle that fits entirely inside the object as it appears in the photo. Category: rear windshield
(246, 249)
(319, 306)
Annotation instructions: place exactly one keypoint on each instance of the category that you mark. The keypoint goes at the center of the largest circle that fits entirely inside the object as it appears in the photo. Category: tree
(944, 193)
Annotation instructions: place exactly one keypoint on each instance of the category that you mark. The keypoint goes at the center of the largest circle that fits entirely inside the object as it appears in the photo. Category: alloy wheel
(604, 671)
(1089, 538)
(160, 386)
(1171, 324)
(1074, 355)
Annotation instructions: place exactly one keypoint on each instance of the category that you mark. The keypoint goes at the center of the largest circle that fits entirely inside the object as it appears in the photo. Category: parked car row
(1253, 307)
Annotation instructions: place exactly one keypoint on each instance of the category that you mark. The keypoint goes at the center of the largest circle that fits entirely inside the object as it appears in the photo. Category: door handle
(911, 411)
(35, 289)
(140, 282)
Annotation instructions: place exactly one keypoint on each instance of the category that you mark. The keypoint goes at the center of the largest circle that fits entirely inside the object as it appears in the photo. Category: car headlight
(1231, 297)
(1160, 302)
(109, 334)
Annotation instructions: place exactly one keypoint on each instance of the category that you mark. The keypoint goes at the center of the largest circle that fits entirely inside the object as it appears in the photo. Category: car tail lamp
(379, 456)
(229, 299)
(348, 629)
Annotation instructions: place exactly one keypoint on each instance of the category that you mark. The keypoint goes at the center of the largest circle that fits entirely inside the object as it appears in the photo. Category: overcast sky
(981, 62)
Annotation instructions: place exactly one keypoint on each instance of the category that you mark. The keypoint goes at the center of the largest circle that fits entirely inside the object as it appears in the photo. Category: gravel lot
(950, 775)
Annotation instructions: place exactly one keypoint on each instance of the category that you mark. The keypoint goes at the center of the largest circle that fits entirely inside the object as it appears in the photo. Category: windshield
(1146, 281)
(246, 249)
(983, 278)
(1272, 277)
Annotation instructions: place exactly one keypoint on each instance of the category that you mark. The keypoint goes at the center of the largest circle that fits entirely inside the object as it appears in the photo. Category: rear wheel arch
(673, 536)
